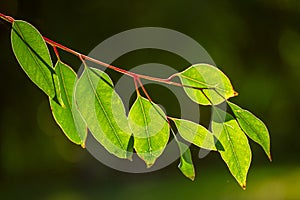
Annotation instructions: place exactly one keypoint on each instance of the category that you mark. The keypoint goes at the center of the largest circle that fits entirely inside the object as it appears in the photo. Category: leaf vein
(146, 127)
(104, 111)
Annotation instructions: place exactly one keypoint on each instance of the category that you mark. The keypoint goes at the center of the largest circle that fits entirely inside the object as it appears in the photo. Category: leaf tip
(235, 93)
(270, 157)
(244, 186)
(192, 178)
(129, 156)
(82, 145)
(149, 164)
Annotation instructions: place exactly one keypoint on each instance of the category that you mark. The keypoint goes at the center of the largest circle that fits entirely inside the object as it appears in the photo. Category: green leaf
(66, 115)
(237, 152)
(150, 129)
(195, 134)
(130, 148)
(103, 111)
(216, 83)
(186, 165)
(33, 55)
(253, 127)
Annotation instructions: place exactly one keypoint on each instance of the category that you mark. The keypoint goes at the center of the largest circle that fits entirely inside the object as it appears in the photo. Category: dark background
(256, 43)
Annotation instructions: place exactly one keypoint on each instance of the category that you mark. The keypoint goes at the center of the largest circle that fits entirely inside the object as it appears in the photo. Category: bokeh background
(256, 43)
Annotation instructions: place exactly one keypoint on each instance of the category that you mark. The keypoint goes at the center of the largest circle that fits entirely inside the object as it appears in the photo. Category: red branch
(81, 56)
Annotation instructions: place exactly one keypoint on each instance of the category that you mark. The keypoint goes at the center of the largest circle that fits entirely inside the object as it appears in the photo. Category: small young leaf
(253, 127)
(186, 165)
(150, 129)
(237, 152)
(195, 134)
(66, 114)
(103, 111)
(33, 55)
(214, 83)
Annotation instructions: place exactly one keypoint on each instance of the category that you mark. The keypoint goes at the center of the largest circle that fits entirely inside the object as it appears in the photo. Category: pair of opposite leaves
(99, 108)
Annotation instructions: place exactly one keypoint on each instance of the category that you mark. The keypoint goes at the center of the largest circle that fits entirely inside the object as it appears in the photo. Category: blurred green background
(256, 43)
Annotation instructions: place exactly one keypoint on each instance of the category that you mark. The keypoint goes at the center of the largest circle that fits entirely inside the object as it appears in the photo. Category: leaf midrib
(30, 52)
(105, 113)
(232, 147)
(64, 87)
(196, 135)
(252, 128)
(207, 85)
(146, 127)
(234, 153)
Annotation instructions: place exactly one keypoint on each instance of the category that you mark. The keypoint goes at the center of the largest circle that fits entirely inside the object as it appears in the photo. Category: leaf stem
(7, 18)
(136, 87)
(144, 90)
(56, 52)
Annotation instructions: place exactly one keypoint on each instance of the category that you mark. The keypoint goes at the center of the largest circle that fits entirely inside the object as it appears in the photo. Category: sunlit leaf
(195, 134)
(253, 127)
(237, 152)
(216, 86)
(103, 111)
(33, 55)
(91, 102)
(130, 148)
(186, 165)
(65, 113)
(150, 129)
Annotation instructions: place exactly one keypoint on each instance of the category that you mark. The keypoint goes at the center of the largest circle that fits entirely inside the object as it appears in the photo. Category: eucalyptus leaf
(150, 129)
(195, 134)
(186, 165)
(33, 55)
(65, 114)
(253, 127)
(206, 84)
(237, 152)
(103, 111)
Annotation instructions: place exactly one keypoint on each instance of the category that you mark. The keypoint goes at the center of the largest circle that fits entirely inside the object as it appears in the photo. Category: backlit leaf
(217, 84)
(33, 55)
(186, 165)
(66, 114)
(195, 134)
(150, 129)
(237, 152)
(103, 111)
(253, 127)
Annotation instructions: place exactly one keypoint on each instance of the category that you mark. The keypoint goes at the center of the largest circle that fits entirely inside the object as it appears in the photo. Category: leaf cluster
(89, 103)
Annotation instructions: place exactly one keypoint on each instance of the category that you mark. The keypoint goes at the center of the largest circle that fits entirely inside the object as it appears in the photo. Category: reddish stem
(136, 76)
(144, 90)
(136, 86)
(56, 52)
(7, 18)
(117, 69)
(52, 43)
